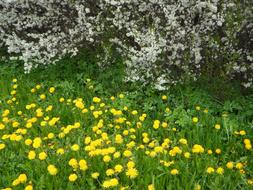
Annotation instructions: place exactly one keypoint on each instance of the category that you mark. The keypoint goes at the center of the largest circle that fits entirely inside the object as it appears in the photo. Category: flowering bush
(161, 41)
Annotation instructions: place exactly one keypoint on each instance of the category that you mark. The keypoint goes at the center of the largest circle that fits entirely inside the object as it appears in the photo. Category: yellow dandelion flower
(198, 108)
(187, 154)
(132, 173)
(15, 182)
(37, 142)
(127, 153)
(164, 97)
(116, 155)
(197, 187)
(242, 132)
(42, 96)
(250, 181)
(28, 142)
(60, 151)
(217, 126)
(52, 90)
(248, 146)
(29, 187)
(195, 120)
(52, 170)
(109, 172)
(42, 156)
(50, 135)
(83, 165)
(31, 155)
(106, 158)
(130, 164)
(118, 168)
(230, 165)
(151, 187)
(72, 177)
(197, 148)
(38, 86)
(96, 100)
(95, 175)
(220, 170)
(2, 146)
(22, 178)
(174, 172)
(183, 141)
(218, 151)
(75, 147)
(239, 165)
(73, 163)
(210, 170)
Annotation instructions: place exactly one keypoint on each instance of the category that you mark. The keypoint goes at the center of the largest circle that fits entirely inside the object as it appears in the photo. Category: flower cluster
(161, 41)
(61, 141)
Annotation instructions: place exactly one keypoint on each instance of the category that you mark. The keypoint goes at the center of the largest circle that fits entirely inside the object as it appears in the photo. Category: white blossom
(155, 37)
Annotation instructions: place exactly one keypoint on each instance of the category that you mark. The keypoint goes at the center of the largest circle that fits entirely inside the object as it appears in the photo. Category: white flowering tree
(162, 41)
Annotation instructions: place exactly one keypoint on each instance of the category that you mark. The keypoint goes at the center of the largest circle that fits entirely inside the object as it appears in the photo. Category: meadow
(89, 130)
(126, 95)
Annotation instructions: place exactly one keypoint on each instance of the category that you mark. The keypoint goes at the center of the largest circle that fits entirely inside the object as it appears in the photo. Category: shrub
(163, 42)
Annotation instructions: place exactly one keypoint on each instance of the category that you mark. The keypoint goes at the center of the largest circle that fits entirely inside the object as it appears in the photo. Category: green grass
(230, 108)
